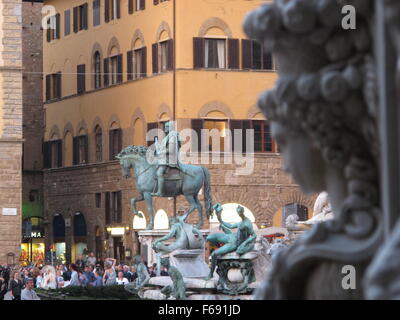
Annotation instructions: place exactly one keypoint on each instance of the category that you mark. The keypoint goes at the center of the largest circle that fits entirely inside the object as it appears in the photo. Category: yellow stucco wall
(238, 90)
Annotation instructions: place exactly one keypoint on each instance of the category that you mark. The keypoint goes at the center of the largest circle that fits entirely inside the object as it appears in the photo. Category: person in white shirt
(28, 293)
(121, 279)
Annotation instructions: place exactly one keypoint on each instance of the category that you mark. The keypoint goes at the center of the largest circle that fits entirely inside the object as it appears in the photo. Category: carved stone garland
(327, 91)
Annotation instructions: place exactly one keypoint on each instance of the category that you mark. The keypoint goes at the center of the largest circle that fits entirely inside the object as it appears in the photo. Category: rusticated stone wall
(71, 190)
(10, 129)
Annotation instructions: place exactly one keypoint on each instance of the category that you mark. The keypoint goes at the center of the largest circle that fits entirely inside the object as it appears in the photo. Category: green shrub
(105, 292)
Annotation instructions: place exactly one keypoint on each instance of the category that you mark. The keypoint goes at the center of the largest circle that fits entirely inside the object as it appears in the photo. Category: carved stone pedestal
(148, 237)
(236, 272)
(191, 263)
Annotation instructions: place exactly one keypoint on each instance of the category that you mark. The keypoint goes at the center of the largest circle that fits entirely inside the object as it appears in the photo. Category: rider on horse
(167, 153)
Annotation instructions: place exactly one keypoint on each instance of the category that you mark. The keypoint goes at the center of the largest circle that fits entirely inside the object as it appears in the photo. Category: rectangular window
(112, 10)
(116, 207)
(254, 56)
(137, 64)
(163, 59)
(53, 86)
(98, 200)
(216, 138)
(80, 17)
(163, 56)
(67, 22)
(52, 154)
(115, 140)
(262, 137)
(99, 145)
(215, 53)
(81, 150)
(152, 137)
(114, 69)
(81, 78)
(96, 12)
(53, 28)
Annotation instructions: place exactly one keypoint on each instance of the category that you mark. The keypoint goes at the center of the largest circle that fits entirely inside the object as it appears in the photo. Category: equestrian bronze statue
(166, 177)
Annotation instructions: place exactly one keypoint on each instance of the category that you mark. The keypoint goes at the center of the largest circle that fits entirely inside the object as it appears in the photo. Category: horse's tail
(207, 192)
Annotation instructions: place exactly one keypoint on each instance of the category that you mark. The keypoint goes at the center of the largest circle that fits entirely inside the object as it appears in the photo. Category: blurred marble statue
(240, 242)
(322, 212)
(277, 246)
(383, 274)
(324, 107)
(186, 235)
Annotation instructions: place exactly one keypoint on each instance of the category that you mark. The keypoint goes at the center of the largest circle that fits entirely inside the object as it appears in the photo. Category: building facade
(114, 70)
(11, 139)
(32, 247)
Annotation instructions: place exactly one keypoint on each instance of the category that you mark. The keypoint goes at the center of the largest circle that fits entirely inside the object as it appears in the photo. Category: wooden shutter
(197, 125)
(119, 207)
(75, 155)
(246, 125)
(48, 87)
(129, 57)
(247, 61)
(107, 207)
(170, 50)
(142, 4)
(48, 30)
(81, 79)
(86, 146)
(75, 19)
(155, 57)
(130, 6)
(58, 144)
(198, 53)
(111, 145)
(235, 124)
(106, 72)
(143, 68)
(119, 133)
(233, 53)
(58, 84)
(151, 126)
(47, 154)
(85, 16)
(107, 11)
(118, 9)
(58, 29)
(119, 69)
(267, 61)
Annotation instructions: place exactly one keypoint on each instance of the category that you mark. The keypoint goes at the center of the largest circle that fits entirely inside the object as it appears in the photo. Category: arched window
(294, 208)
(79, 225)
(230, 215)
(161, 221)
(58, 227)
(97, 70)
(99, 144)
(139, 223)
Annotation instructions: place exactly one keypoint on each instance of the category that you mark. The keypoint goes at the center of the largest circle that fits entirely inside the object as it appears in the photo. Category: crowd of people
(86, 271)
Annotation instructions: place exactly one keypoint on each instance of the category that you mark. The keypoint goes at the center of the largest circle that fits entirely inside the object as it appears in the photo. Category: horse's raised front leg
(133, 205)
(150, 211)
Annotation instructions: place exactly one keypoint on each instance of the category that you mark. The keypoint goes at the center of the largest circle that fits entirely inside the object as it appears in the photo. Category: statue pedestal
(148, 237)
(190, 263)
(236, 273)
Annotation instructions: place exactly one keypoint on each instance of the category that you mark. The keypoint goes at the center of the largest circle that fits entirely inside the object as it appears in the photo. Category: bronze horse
(186, 181)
